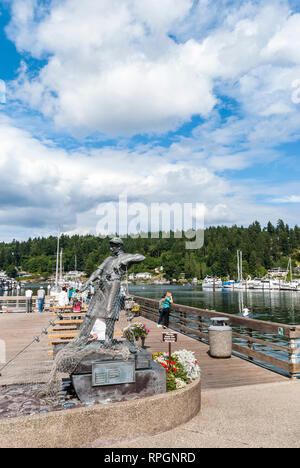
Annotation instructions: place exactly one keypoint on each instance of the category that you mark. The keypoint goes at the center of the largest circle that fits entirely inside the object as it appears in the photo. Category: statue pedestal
(102, 377)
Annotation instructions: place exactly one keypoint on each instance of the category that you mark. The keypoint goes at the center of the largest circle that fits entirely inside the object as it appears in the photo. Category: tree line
(263, 248)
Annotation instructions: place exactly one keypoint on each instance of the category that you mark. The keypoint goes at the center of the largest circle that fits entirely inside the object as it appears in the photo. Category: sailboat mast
(60, 268)
(57, 260)
(238, 264)
(241, 265)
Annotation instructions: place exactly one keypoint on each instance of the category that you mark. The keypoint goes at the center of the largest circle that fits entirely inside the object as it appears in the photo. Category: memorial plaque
(113, 373)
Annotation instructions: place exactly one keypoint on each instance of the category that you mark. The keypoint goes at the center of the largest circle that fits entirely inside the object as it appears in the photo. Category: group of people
(164, 310)
(71, 296)
(41, 299)
(65, 298)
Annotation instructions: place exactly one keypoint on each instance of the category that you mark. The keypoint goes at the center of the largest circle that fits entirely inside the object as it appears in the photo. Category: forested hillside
(262, 247)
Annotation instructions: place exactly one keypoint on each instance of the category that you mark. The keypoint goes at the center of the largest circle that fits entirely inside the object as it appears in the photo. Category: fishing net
(105, 304)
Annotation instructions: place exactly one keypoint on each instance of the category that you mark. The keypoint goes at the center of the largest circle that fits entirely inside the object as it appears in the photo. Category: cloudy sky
(194, 101)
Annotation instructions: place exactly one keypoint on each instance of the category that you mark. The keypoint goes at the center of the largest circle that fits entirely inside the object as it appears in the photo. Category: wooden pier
(18, 330)
(275, 346)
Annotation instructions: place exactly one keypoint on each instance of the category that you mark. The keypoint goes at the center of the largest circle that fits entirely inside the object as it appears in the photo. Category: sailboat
(239, 284)
(291, 285)
(211, 283)
(57, 288)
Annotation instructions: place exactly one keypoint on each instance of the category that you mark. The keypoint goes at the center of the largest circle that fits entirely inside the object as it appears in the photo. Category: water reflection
(272, 306)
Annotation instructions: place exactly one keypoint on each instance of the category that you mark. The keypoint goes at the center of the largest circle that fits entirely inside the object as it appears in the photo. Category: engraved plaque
(113, 373)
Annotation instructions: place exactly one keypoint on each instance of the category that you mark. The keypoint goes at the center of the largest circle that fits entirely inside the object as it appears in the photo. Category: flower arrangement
(135, 331)
(182, 369)
(189, 363)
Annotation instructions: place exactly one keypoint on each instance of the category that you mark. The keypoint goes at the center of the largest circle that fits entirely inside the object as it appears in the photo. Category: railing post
(200, 326)
(250, 344)
(294, 349)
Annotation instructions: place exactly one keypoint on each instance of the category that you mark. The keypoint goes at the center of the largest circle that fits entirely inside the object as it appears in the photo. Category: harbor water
(271, 306)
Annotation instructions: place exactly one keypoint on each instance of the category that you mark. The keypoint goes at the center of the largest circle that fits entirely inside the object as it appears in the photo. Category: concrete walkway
(258, 416)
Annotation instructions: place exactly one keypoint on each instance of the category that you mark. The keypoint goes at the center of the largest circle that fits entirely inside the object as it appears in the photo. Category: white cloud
(43, 187)
(287, 199)
(2, 92)
(113, 68)
(136, 67)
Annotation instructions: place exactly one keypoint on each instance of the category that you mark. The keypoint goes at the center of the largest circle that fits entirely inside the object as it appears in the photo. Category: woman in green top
(165, 307)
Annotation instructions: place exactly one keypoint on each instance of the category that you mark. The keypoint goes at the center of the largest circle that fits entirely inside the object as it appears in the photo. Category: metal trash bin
(220, 338)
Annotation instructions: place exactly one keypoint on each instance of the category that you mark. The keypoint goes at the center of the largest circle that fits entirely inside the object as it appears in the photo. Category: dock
(243, 405)
(34, 365)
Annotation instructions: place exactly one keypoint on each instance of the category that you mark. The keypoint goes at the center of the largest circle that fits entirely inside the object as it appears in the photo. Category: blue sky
(166, 101)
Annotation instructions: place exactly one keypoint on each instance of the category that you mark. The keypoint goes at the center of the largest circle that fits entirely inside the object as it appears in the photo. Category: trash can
(220, 338)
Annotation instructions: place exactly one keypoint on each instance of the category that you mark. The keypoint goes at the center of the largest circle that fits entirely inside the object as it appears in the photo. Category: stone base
(148, 382)
(147, 377)
(106, 424)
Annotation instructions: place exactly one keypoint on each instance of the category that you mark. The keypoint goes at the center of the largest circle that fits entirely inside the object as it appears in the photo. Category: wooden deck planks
(216, 373)
(17, 330)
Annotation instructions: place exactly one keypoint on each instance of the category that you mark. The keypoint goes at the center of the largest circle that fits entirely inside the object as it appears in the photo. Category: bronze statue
(106, 299)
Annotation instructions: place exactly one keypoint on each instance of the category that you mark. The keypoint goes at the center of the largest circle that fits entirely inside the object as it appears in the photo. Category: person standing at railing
(161, 311)
(41, 298)
(28, 295)
(165, 312)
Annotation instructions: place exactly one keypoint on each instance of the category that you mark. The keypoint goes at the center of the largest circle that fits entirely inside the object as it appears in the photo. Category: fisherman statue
(101, 370)
(106, 281)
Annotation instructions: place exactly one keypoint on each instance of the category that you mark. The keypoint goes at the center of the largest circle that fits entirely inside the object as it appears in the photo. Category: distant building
(23, 274)
(278, 271)
(71, 275)
(144, 276)
(159, 269)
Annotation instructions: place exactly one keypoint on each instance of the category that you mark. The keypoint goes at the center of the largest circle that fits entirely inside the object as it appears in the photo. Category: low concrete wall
(103, 424)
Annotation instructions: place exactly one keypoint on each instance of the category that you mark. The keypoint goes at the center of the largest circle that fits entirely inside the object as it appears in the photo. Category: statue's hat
(116, 241)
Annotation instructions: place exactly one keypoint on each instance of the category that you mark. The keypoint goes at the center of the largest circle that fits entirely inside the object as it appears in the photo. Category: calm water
(272, 306)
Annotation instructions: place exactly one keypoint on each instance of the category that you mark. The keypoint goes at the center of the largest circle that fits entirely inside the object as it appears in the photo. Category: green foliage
(263, 248)
(11, 271)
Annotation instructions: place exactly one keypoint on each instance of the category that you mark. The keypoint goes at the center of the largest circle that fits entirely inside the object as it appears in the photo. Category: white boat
(212, 283)
(290, 285)
(228, 284)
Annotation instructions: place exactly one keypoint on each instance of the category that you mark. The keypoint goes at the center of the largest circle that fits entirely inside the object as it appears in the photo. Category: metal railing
(9, 304)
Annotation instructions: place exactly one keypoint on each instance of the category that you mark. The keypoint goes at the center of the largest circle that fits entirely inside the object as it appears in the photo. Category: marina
(265, 355)
(35, 364)
(235, 393)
